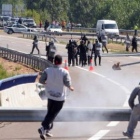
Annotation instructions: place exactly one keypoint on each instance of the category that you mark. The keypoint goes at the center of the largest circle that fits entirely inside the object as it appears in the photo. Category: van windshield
(110, 26)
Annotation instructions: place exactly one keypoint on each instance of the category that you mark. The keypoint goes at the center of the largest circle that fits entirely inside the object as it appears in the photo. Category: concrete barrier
(65, 115)
(20, 91)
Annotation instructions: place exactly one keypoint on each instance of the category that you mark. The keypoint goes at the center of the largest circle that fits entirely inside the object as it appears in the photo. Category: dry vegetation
(13, 68)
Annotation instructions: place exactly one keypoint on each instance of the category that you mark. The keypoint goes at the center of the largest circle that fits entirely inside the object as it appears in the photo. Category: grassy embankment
(4, 74)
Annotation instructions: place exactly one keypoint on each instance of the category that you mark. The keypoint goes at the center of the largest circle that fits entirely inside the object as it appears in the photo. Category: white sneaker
(41, 131)
(48, 134)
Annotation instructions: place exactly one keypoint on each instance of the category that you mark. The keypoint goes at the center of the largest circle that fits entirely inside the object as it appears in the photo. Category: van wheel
(10, 31)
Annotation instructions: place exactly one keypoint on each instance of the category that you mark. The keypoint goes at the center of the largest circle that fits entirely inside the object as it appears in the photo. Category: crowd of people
(85, 51)
(65, 25)
(82, 53)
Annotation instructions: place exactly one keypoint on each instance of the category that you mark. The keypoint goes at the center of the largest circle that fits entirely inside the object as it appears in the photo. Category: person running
(56, 80)
(35, 45)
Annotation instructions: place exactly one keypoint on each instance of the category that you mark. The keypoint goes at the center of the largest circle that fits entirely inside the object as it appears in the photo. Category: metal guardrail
(69, 33)
(27, 59)
(48, 34)
(42, 36)
(66, 114)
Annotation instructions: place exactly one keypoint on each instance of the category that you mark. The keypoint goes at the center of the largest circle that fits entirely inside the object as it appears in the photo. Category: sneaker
(127, 135)
(41, 131)
(48, 134)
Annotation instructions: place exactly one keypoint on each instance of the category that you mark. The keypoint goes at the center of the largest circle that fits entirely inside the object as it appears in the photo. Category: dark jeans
(54, 108)
(35, 46)
(51, 59)
(134, 48)
(104, 46)
(95, 57)
(135, 33)
(71, 58)
(82, 59)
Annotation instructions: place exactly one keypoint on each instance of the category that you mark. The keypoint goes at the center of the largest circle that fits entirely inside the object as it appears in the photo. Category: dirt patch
(15, 68)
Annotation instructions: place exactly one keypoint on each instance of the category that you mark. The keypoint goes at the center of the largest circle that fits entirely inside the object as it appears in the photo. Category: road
(103, 87)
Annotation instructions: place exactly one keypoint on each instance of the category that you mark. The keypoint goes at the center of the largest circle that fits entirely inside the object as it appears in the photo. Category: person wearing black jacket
(76, 51)
(46, 25)
(82, 49)
(134, 44)
(85, 39)
(51, 51)
(71, 52)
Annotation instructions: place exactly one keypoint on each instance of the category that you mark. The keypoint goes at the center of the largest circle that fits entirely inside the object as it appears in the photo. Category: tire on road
(10, 31)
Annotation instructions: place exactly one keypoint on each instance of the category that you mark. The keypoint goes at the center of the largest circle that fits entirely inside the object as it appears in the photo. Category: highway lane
(103, 87)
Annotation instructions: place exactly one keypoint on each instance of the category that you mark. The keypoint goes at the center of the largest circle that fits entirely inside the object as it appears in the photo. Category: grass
(63, 42)
(17, 68)
(4, 74)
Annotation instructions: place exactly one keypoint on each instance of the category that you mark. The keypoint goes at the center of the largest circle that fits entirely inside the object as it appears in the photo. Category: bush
(33, 14)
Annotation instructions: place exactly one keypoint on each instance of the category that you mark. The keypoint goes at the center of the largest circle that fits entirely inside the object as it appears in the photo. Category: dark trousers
(134, 48)
(35, 46)
(54, 108)
(135, 33)
(71, 58)
(95, 57)
(104, 46)
(51, 59)
(82, 59)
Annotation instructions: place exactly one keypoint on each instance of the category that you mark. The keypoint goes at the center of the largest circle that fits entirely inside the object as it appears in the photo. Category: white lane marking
(113, 81)
(99, 135)
(81, 68)
(125, 89)
(113, 123)
(99, 74)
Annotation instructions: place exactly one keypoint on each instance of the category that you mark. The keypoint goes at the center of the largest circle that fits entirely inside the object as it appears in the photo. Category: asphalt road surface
(102, 87)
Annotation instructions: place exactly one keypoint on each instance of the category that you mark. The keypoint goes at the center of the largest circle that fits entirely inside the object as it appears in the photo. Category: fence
(27, 59)
(44, 37)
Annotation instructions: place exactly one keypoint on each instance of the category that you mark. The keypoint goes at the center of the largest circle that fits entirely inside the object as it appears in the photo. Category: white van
(108, 27)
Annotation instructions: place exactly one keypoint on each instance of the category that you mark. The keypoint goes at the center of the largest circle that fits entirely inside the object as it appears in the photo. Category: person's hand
(71, 88)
